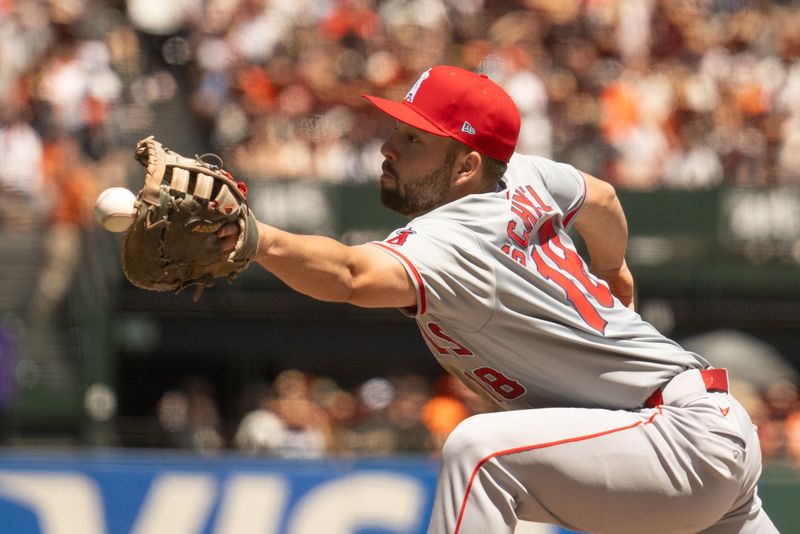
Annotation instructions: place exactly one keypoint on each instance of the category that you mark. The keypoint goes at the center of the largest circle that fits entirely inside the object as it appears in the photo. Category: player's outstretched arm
(328, 270)
(602, 225)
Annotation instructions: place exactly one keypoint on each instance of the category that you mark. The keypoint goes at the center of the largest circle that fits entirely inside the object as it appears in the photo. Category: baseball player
(605, 424)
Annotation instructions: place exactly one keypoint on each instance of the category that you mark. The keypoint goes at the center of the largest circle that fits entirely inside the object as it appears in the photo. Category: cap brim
(405, 113)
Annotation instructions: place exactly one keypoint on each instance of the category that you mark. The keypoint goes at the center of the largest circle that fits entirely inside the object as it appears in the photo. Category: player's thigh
(597, 470)
(557, 451)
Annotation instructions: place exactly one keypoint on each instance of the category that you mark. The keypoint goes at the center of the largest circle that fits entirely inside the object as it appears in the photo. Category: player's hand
(620, 282)
(228, 235)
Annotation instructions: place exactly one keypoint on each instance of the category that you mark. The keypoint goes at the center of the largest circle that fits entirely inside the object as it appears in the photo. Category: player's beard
(418, 195)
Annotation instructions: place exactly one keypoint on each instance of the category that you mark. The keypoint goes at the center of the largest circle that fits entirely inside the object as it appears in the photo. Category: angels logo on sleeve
(400, 237)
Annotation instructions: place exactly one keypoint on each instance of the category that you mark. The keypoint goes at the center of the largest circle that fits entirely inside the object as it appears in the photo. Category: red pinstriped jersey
(505, 302)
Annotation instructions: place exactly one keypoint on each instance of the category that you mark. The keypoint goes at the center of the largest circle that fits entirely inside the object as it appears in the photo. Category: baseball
(114, 209)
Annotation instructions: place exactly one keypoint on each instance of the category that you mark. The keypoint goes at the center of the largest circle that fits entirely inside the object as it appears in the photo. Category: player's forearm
(314, 265)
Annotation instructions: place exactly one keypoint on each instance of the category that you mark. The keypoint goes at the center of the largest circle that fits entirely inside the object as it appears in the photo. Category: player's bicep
(601, 206)
(379, 279)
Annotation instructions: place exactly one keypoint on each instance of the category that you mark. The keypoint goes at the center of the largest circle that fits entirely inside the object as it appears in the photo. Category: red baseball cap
(457, 103)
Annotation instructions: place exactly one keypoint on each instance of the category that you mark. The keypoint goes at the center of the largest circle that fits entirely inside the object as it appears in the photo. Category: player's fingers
(228, 235)
(227, 245)
(230, 229)
(620, 282)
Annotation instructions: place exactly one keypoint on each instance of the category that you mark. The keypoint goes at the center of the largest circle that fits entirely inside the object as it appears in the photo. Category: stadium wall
(155, 493)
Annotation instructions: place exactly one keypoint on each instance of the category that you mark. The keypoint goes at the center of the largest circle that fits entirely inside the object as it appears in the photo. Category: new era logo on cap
(444, 96)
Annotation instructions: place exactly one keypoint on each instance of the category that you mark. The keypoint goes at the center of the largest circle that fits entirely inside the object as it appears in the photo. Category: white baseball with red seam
(114, 209)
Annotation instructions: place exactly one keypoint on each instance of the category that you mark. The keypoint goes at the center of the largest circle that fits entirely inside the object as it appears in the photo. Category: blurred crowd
(647, 94)
(299, 415)
(775, 410)
(644, 93)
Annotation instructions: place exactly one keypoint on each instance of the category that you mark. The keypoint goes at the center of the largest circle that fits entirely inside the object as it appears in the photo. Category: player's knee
(467, 439)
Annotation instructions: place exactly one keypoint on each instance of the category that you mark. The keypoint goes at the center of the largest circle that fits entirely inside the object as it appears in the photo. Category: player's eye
(406, 133)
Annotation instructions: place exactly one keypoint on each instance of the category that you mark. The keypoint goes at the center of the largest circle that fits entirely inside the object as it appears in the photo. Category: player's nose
(387, 148)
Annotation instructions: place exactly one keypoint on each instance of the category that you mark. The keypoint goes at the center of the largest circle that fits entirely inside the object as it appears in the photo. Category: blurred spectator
(405, 415)
(71, 190)
(782, 401)
(260, 431)
(78, 85)
(372, 433)
(451, 403)
(190, 418)
(692, 163)
(304, 434)
(305, 428)
(339, 406)
(26, 34)
(21, 168)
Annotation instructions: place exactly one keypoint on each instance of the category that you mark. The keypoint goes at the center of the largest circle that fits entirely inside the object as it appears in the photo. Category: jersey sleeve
(565, 184)
(453, 277)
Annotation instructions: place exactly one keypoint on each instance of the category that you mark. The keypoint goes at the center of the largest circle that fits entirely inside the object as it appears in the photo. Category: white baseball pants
(690, 465)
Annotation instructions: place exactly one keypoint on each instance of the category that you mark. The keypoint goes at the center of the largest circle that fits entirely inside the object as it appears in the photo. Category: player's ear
(467, 167)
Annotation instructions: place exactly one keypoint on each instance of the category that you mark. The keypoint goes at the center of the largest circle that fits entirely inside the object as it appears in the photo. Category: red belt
(714, 380)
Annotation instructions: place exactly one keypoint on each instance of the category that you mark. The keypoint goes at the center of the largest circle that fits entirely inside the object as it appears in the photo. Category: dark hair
(493, 169)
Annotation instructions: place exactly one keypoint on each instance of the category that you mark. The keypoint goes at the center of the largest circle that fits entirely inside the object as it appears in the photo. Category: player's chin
(392, 200)
(387, 196)
(389, 187)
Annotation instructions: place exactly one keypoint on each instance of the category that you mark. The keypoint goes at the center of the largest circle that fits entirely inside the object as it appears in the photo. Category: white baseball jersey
(505, 303)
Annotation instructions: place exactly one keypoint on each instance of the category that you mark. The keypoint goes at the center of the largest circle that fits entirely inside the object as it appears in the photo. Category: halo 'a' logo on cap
(413, 91)
(468, 128)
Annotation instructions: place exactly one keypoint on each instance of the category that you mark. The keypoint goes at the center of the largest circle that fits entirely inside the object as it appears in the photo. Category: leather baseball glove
(172, 241)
